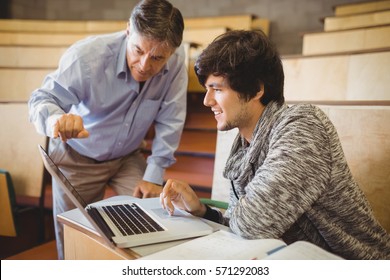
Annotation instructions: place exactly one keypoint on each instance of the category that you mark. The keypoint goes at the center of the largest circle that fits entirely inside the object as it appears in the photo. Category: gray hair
(158, 20)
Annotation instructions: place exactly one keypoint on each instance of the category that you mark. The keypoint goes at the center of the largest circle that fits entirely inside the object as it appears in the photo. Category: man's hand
(146, 189)
(178, 194)
(69, 126)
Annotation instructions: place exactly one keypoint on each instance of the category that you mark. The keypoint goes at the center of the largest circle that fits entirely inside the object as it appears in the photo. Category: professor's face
(145, 57)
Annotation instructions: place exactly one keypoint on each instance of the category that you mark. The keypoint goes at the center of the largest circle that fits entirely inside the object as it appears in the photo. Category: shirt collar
(121, 66)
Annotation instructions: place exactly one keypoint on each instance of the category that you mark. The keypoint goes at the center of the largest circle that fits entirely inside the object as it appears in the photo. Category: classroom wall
(289, 18)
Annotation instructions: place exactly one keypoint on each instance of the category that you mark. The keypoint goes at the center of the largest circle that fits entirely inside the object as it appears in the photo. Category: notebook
(132, 222)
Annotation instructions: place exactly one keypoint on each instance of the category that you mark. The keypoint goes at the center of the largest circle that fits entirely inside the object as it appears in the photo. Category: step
(201, 121)
(193, 142)
(357, 21)
(198, 142)
(46, 251)
(245, 21)
(346, 40)
(359, 8)
(197, 171)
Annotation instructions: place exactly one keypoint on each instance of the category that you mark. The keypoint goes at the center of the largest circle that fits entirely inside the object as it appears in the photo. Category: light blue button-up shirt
(93, 81)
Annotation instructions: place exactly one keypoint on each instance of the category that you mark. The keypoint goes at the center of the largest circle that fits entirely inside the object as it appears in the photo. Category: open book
(224, 245)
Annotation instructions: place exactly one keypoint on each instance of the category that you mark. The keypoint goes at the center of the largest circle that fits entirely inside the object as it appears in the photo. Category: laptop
(131, 222)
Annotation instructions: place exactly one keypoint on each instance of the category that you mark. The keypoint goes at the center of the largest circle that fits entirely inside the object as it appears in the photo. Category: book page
(302, 250)
(220, 245)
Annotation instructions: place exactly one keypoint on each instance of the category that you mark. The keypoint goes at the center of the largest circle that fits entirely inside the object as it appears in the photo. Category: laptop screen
(53, 168)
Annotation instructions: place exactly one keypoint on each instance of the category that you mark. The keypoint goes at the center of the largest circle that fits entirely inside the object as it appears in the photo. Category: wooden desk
(82, 242)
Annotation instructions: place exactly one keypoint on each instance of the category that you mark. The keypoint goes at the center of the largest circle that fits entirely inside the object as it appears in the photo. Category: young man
(98, 105)
(289, 177)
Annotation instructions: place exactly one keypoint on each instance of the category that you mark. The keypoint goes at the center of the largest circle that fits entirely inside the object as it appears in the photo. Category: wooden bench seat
(40, 39)
(346, 40)
(202, 37)
(61, 26)
(357, 21)
(193, 83)
(246, 22)
(30, 57)
(8, 226)
(17, 83)
(359, 8)
(356, 76)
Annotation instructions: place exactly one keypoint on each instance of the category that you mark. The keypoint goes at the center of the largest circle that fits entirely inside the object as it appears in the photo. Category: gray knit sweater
(293, 182)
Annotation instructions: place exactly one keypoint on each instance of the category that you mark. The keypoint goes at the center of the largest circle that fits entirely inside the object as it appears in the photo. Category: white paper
(220, 245)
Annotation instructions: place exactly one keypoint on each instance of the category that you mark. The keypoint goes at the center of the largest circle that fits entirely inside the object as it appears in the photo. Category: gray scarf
(244, 159)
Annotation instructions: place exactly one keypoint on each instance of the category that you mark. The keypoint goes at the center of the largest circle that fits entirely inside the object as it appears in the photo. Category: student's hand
(180, 195)
(69, 126)
(146, 189)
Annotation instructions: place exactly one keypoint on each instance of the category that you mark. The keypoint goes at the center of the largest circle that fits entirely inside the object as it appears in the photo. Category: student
(289, 177)
(98, 105)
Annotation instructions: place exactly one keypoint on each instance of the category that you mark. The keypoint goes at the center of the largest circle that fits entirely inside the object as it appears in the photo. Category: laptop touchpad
(163, 214)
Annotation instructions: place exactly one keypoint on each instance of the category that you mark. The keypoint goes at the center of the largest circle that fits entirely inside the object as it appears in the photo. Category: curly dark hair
(246, 59)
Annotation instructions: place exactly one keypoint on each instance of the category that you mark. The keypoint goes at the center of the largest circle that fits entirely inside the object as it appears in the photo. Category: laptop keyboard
(130, 219)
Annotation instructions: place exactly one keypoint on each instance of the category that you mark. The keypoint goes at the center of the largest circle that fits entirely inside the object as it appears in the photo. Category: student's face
(145, 57)
(229, 110)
